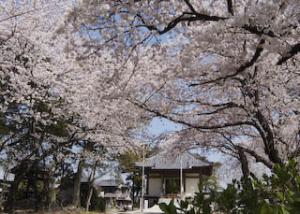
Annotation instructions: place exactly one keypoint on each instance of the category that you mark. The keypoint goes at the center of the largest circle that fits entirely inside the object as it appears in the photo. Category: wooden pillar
(184, 182)
(147, 180)
(200, 177)
(162, 185)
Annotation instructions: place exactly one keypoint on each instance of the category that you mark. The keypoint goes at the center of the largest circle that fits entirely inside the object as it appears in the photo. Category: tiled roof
(108, 183)
(109, 179)
(168, 161)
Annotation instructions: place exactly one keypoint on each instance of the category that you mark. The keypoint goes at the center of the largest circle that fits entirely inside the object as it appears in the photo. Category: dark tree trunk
(89, 197)
(37, 196)
(133, 189)
(244, 163)
(91, 188)
(268, 138)
(51, 194)
(10, 205)
(76, 194)
(230, 7)
(20, 172)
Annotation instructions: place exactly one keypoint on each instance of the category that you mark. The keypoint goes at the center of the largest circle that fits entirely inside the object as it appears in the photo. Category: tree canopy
(82, 77)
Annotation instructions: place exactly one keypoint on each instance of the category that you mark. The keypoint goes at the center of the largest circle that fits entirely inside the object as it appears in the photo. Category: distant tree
(127, 162)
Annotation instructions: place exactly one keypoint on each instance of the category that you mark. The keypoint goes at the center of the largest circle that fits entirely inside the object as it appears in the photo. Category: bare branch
(258, 31)
(230, 7)
(203, 127)
(294, 50)
(184, 17)
(242, 68)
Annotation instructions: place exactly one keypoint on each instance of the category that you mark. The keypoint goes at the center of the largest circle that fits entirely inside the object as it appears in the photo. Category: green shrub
(275, 194)
(98, 204)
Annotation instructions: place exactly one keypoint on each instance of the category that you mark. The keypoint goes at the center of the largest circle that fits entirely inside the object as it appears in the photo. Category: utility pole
(181, 178)
(143, 182)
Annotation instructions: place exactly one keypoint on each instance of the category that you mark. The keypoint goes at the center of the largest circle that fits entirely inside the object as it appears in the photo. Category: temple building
(163, 174)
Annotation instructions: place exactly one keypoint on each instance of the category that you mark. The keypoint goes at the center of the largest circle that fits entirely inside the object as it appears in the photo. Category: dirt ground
(66, 211)
(57, 212)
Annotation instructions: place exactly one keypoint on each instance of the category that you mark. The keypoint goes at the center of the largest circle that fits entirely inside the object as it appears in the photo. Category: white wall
(155, 186)
(191, 186)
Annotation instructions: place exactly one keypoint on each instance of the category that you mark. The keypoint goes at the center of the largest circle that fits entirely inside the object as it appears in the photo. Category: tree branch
(184, 17)
(256, 30)
(188, 3)
(203, 127)
(294, 50)
(240, 148)
(230, 7)
(258, 158)
(242, 68)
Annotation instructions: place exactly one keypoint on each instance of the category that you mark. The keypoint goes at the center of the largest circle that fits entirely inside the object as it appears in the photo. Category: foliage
(127, 164)
(277, 193)
(127, 160)
(205, 65)
(168, 209)
(97, 71)
(98, 203)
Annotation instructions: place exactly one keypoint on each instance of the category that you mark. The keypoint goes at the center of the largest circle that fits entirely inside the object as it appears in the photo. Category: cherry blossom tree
(50, 105)
(227, 70)
(96, 72)
(83, 83)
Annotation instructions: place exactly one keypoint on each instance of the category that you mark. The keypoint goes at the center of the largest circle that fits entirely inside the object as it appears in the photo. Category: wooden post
(163, 185)
(181, 178)
(143, 182)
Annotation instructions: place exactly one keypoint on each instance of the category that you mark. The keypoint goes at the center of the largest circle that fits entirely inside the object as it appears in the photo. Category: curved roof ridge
(165, 160)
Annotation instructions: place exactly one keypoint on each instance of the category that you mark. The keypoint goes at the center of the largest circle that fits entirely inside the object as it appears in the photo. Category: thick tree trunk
(268, 138)
(244, 163)
(91, 189)
(51, 198)
(51, 194)
(20, 172)
(37, 196)
(76, 193)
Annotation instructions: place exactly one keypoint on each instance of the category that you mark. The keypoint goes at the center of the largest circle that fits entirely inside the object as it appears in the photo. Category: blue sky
(160, 126)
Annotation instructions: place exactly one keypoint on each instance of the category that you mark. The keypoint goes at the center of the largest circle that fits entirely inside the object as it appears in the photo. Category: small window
(109, 189)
